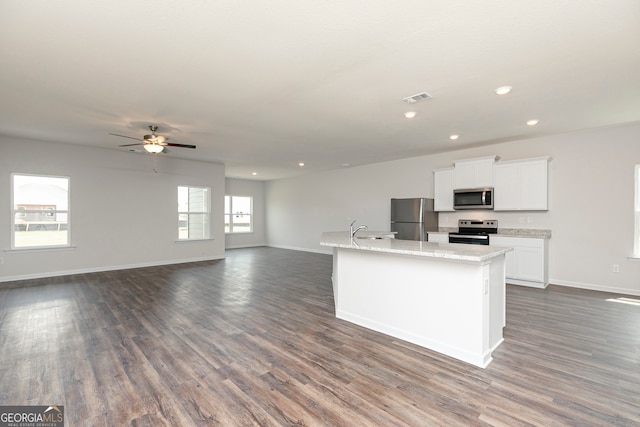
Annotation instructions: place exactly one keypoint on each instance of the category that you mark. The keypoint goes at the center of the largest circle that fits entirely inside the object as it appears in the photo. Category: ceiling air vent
(417, 98)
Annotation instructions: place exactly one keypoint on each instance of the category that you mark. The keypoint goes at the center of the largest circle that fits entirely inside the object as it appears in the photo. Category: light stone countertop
(475, 253)
(533, 233)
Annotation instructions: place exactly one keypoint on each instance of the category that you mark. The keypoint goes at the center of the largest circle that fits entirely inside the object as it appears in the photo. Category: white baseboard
(256, 245)
(295, 248)
(481, 360)
(99, 269)
(594, 287)
(526, 283)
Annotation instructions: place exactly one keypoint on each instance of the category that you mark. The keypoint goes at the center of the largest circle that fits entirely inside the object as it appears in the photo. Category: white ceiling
(263, 85)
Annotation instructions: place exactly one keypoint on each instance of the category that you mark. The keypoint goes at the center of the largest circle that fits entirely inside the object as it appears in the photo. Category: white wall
(254, 189)
(590, 206)
(122, 213)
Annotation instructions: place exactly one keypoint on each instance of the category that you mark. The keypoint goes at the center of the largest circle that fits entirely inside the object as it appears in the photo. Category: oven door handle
(472, 236)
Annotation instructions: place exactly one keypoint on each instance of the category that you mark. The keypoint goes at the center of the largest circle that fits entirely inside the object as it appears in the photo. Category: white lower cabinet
(527, 263)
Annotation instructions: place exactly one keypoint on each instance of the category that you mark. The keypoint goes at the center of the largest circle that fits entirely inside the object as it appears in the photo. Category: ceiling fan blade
(125, 136)
(170, 144)
(129, 145)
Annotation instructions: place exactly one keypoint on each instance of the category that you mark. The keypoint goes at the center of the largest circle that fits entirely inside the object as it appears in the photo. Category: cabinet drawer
(438, 237)
(521, 242)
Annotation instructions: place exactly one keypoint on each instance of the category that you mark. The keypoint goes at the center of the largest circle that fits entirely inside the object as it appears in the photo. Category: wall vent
(417, 98)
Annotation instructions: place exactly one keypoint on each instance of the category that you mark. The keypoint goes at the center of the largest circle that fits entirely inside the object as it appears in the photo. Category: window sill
(634, 257)
(193, 240)
(230, 233)
(41, 249)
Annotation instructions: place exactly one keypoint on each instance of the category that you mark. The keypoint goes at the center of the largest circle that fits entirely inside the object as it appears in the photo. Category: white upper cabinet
(443, 190)
(521, 185)
(474, 173)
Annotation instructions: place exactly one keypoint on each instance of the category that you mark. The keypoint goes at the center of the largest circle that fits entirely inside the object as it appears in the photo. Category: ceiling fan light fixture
(153, 148)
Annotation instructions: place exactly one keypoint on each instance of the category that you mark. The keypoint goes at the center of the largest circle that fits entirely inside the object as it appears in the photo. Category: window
(193, 213)
(39, 211)
(238, 214)
(636, 235)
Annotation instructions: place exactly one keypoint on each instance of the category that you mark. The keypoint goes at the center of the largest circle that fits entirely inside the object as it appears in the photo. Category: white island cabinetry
(445, 297)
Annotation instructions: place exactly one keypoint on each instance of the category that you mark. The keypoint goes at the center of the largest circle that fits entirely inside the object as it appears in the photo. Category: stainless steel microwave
(473, 198)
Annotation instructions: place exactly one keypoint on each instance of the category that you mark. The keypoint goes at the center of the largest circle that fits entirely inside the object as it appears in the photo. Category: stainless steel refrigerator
(413, 218)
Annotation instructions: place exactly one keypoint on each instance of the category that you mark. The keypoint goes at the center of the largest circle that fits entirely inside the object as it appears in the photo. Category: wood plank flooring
(253, 340)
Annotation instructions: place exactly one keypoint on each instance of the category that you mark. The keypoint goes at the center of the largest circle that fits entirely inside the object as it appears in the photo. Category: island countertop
(369, 242)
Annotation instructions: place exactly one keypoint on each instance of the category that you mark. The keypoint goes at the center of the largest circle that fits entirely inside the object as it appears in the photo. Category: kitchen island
(446, 297)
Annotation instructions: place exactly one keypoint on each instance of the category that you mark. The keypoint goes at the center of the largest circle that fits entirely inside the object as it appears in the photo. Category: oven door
(469, 239)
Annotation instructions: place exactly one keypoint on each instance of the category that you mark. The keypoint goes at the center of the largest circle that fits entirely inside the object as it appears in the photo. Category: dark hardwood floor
(253, 340)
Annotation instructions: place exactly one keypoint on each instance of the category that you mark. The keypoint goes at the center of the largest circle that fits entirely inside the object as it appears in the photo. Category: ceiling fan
(153, 143)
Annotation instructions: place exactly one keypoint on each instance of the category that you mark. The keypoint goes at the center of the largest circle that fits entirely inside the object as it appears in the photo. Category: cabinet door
(533, 184)
(510, 264)
(474, 173)
(526, 261)
(509, 257)
(529, 264)
(483, 171)
(521, 185)
(506, 187)
(443, 190)
(464, 175)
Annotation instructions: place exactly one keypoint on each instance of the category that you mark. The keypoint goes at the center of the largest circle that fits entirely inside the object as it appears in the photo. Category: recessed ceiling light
(301, 164)
(532, 122)
(410, 114)
(254, 173)
(503, 90)
(454, 137)
(346, 165)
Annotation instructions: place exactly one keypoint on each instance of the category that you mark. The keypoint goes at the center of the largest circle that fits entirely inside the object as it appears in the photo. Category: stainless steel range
(474, 231)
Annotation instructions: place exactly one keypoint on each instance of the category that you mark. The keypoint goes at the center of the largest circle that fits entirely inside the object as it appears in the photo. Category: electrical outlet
(616, 268)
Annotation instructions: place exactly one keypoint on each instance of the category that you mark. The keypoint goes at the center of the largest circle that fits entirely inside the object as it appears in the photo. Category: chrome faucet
(353, 231)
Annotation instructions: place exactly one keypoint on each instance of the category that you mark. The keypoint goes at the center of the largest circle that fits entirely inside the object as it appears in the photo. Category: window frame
(231, 214)
(636, 205)
(50, 212)
(206, 213)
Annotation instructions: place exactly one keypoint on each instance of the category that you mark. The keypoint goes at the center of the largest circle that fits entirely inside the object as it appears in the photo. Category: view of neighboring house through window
(238, 214)
(39, 211)
(194, 204)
